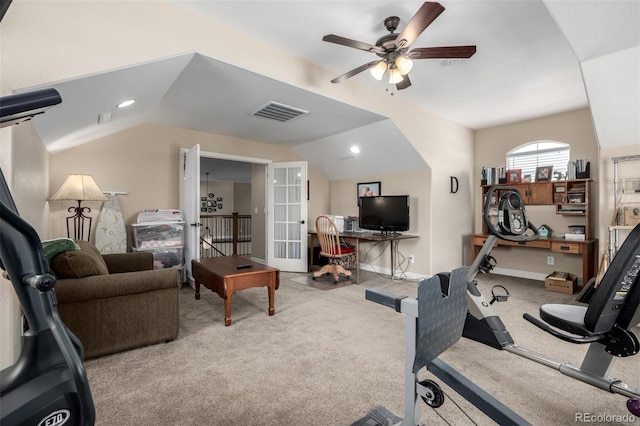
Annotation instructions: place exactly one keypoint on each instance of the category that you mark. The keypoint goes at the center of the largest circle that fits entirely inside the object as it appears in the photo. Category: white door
(287, 216)
(190, 206)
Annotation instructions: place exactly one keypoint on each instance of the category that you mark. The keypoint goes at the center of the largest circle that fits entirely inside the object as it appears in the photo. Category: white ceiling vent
(279, 112)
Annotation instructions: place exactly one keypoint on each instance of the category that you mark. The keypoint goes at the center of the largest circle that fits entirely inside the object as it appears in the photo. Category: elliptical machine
(48, 384)
(605, 324)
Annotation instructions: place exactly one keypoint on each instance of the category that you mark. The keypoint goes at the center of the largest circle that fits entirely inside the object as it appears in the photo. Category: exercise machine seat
(615, 304)
(569, 318)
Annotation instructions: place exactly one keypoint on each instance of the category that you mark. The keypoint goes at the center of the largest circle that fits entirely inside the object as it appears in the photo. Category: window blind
(528, 160)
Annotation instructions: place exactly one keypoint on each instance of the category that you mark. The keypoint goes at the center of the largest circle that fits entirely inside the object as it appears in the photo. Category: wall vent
(279, 112)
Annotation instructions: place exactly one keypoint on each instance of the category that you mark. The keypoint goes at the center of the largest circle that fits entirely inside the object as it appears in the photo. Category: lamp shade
(404, 65)
(378, 71)
(79, 188)
(395, 76)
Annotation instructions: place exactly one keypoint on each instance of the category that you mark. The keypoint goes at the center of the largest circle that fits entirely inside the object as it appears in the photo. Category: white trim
(221, 156)
(520, 274)
(232, 157)
(387, 271)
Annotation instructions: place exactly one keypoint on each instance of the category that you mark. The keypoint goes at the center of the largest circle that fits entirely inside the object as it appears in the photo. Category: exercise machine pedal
(499, 297)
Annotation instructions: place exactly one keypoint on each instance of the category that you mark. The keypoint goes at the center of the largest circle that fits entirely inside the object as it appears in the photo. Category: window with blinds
(540, 154)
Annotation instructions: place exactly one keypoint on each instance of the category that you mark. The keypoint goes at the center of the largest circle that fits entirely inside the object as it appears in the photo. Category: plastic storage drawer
(147, 236)
(166, 257)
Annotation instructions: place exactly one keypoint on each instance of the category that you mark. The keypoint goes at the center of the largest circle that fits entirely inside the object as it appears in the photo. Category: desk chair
(332, 248)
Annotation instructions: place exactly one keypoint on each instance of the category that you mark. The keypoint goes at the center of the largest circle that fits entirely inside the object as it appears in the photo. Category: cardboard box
(631, 215)
(561, 282)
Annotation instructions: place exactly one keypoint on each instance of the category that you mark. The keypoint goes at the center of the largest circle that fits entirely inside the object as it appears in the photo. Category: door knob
(302, 222)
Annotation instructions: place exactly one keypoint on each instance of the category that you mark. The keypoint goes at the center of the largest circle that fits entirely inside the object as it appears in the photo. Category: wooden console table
(587, 249)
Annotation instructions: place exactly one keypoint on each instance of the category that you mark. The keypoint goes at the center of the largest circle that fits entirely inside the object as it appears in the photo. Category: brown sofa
(115, 302)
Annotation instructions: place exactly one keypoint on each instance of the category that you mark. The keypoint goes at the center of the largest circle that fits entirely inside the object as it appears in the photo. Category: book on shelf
(493, 175)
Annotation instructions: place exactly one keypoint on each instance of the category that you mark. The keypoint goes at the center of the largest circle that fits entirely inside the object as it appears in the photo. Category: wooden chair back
(329, 238)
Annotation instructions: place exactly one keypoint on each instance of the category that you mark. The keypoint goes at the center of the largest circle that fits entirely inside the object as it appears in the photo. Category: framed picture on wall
(368, 189)
(514, 176)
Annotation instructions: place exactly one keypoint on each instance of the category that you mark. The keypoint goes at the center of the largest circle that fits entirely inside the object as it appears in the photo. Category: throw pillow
(56, 246)
(80, 263)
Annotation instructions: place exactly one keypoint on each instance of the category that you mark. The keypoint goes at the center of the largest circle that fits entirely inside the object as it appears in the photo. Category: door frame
(232, 157)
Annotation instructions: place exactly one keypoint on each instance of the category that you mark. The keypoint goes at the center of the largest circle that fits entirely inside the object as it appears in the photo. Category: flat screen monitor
(384, 213)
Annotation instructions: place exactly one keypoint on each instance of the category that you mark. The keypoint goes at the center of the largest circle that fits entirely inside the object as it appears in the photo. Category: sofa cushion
(80, 263)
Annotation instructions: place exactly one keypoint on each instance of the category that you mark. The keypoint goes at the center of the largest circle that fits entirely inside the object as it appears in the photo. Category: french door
(287, 216)
(190, 206)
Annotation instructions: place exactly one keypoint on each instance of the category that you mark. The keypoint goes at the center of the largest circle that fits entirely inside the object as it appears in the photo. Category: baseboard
(387, 271)
(520, 274)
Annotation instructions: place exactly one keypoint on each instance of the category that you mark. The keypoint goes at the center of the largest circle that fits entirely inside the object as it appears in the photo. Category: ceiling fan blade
(332, 38)
(404, 83)
(355, 71)
(442, 52)
(427, 13)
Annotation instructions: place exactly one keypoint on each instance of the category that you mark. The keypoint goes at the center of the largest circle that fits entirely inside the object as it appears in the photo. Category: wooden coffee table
(222, 275)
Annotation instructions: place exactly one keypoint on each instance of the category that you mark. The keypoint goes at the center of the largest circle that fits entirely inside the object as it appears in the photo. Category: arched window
(540, 154)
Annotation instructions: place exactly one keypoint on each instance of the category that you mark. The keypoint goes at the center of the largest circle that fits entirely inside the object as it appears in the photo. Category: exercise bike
(48, 384)
(605, 324)
(435, 320)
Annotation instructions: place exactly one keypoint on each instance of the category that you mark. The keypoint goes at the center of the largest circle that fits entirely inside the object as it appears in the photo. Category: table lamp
(79, 188)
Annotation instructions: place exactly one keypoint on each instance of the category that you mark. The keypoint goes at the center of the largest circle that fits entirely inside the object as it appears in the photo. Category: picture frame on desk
(368, 189)
(514, 176)
(543, 173)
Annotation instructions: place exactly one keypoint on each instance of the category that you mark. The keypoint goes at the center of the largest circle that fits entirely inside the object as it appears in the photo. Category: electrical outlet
(412, 258)
(550, 260)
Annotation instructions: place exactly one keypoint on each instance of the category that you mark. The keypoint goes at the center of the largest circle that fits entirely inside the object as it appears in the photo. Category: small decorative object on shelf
(545, 231)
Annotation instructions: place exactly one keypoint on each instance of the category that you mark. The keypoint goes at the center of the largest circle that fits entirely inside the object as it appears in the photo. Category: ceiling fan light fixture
(404, 64)
(395, 76)
(378, 71)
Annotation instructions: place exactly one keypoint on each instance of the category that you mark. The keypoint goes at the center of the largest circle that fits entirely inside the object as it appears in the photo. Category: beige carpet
(328, 358)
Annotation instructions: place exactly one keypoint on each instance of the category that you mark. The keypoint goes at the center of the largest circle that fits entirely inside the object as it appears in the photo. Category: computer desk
(363, 237)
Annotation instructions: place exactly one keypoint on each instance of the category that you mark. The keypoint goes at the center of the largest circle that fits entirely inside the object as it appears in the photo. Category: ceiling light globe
(378, 71)
(395, 76)
(355, 149)
(404, 65)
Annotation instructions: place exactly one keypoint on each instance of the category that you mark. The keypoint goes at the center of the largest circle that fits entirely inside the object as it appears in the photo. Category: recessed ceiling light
(126, 103)
(355, 149)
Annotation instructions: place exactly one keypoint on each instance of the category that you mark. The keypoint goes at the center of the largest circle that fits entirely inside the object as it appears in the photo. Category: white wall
(25, 165)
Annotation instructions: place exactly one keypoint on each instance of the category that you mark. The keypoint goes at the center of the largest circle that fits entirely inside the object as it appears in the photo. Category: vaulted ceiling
(534, 58)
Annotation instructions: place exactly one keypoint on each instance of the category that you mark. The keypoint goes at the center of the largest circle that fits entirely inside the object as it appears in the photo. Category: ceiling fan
(394, 50)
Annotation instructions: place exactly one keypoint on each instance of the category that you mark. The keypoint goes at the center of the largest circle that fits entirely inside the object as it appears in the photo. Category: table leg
(357, 261)
(272, 292)
(197, 289)
(393, 258)
(228, 296)
(311, 241)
